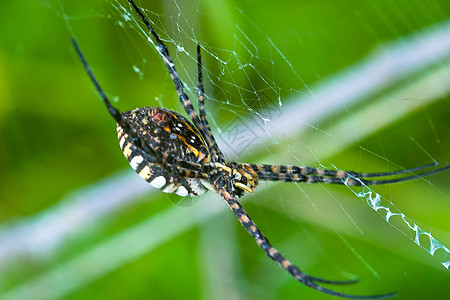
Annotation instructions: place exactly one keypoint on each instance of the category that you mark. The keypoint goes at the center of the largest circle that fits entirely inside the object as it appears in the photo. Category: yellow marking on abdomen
(127, 150)
(146, 173)
(193, 149)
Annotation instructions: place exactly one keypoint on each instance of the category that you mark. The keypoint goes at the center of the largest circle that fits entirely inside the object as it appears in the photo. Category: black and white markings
(157, 126)
(158, 182)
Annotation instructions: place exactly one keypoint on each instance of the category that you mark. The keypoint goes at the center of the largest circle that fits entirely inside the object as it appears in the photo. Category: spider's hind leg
(276, 256)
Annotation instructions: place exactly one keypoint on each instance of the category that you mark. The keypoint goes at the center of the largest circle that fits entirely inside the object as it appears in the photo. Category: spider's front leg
(298, 174)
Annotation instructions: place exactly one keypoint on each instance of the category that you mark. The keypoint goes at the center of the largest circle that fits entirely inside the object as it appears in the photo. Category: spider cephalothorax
(241, 176)
(177, 156)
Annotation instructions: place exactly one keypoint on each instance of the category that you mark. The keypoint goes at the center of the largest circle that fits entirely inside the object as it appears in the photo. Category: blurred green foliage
(57, 137)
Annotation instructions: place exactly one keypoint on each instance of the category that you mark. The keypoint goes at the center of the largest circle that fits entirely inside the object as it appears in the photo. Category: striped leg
(288, 173)
(216, 154)
(184, 99)
(270, 251)
(114, 112)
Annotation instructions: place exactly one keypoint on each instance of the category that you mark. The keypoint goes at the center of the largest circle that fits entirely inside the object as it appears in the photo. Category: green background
(57, 138)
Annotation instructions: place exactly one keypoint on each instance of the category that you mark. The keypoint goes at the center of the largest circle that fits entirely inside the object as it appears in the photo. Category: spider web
(267, 106)
(249, 87)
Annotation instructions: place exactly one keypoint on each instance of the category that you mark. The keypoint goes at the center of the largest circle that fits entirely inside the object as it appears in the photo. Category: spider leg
(314, 175)
(185, 169)
(184, 99)
(270, 251)
(114, 112)
(381, 174)
(214, 148)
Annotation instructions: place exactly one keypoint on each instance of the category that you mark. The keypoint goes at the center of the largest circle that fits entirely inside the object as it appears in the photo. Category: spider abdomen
(166, 132)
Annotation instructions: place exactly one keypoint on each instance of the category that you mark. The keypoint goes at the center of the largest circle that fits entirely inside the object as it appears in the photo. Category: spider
(177, 156)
